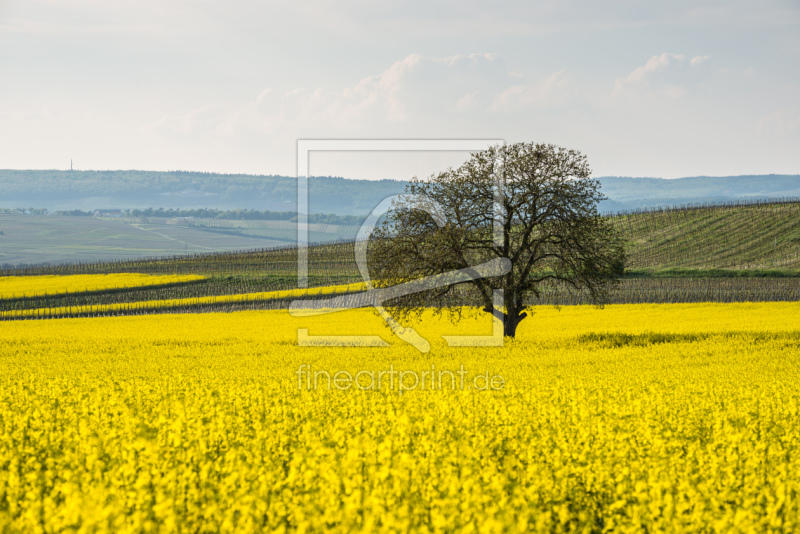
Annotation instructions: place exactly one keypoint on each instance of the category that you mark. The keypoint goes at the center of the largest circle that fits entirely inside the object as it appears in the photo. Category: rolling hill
(89, 190)
(749, 237)
(717, 253)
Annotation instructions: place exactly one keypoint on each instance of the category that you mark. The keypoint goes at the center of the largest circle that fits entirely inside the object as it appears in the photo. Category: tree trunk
(510, 320)
(510, 323)
(514, 315)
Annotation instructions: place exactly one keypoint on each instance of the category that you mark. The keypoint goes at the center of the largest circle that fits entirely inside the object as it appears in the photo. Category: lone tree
(534, 204)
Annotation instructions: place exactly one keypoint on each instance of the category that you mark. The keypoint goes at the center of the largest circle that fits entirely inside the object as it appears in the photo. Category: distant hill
(628, 193)
(89, 190)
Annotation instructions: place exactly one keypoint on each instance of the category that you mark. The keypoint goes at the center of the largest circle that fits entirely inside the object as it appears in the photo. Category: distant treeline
(251, 215)
(206, 213)
(27, 211)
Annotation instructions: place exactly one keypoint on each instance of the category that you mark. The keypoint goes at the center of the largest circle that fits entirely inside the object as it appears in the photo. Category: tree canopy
(532, 204)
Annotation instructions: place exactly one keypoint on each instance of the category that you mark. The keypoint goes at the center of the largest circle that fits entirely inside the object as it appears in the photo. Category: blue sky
(642, 88)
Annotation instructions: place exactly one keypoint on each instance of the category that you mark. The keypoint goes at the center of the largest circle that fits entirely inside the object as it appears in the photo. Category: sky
(658, 89)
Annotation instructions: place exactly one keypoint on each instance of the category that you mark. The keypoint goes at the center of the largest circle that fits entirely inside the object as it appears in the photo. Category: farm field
(756, 236)
(275, 230)
(32, 239)
(727, 253)
(374, 268)
(12, 287)
(661, 417)
(744, 236)
(269, 293)
(255, 300)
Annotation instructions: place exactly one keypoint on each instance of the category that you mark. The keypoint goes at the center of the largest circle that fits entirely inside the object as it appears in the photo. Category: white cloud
(666, 76)
(653, 65)
(412, 91)
(551, 91)
(196, 72)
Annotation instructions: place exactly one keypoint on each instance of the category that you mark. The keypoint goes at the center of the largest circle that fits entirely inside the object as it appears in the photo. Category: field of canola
(30, 286)
(165, 304)
(632, 418)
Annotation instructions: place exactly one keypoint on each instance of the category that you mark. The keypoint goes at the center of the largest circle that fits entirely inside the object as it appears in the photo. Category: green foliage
(622, 339)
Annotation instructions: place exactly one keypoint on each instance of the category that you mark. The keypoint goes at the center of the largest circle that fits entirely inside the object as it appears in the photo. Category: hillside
(747, 236)
(750, 236)
(722, 253)
(90, 190)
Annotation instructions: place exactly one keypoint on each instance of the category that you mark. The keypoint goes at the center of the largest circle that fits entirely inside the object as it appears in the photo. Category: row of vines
(630, 291)
(743, 235)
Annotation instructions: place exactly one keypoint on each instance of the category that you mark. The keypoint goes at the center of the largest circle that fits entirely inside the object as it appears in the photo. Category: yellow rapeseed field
(149, 305)
(29, 286)
(632, 418)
